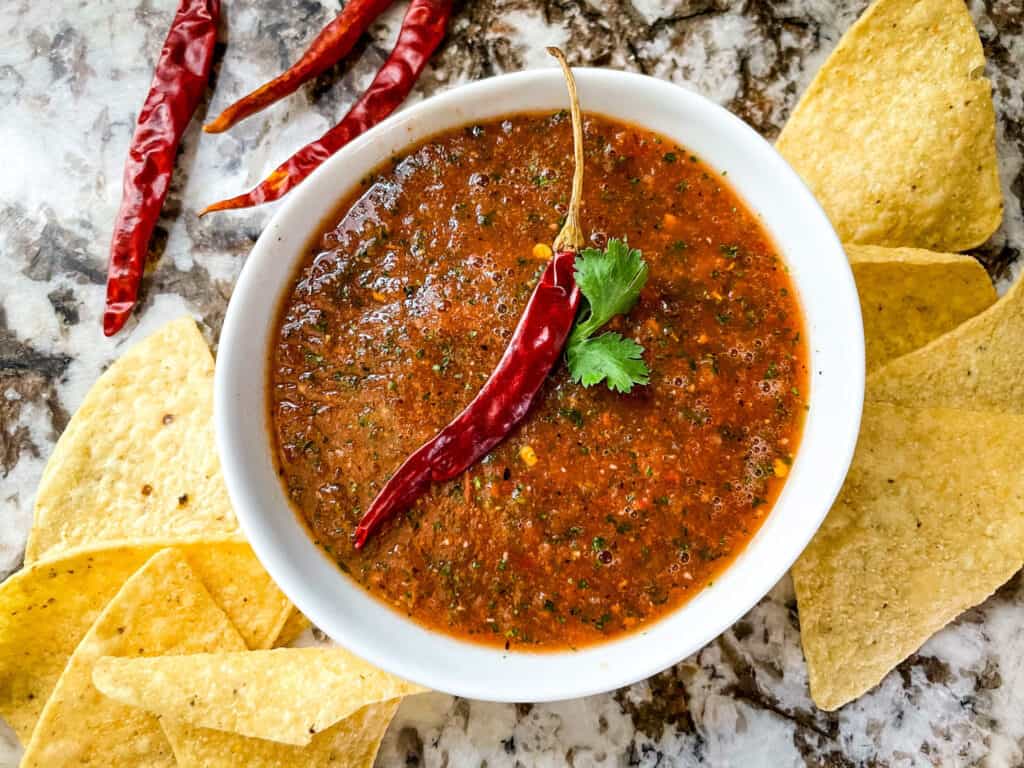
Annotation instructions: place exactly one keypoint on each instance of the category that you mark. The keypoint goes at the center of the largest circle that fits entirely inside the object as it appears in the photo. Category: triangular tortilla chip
(910, 296)
(352, 743)
(285, 695)
(137, 461)
(296, 624)
(896, 134)
(243, 590)
(162, 609)
(921, 531)
(977, 366)
(46, 609)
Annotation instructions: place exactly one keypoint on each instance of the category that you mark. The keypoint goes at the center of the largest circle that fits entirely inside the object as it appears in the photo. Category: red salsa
(602, 512)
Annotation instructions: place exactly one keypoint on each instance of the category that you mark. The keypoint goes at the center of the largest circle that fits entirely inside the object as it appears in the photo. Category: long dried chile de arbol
(507, 395)
(334, 42)
(422, 30)
(179, 80)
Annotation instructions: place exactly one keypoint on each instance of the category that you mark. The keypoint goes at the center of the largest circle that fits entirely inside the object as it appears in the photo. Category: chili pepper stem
(571, 236)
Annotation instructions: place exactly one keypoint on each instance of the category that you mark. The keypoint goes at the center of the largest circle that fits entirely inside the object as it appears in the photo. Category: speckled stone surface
(72, 77)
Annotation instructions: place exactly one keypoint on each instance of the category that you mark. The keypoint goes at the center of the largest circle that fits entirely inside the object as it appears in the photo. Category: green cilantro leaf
(610, 281)
(608, 357)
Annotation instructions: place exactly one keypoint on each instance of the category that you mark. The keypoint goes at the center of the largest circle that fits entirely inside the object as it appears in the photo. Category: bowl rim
(461, 667)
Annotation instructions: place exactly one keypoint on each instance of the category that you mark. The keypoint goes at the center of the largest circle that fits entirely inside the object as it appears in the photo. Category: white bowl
(388, 639)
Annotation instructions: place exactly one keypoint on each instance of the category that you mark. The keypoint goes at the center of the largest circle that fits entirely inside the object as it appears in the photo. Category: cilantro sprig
(610, 281)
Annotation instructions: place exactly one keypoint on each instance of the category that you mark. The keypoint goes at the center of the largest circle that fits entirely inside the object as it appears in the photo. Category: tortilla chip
(240, 586)
(46, 609)
(352, 743)
(921, 531)
(977, 366)
(285, 695)
(909, 296)
(137, 461)
(162, 609)
(296, 624)
(896, 134)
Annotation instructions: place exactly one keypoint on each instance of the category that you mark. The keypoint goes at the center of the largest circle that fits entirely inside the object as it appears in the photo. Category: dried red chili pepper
(509, 393)
(422, 30)
(334, 42)
(179, 80)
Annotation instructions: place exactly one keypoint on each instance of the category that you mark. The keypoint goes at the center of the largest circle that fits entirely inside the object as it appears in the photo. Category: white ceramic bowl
(390, 640)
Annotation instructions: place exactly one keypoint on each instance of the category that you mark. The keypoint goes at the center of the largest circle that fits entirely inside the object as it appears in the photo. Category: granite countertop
(72, 77)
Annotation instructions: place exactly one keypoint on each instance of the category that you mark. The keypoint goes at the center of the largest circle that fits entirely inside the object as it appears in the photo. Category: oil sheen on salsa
(601, 512)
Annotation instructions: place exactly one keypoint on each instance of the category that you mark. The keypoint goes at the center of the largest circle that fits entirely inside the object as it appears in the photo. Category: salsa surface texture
(601, 512)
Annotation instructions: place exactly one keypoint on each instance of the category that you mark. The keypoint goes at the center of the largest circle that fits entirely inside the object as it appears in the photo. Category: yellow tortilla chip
(909, 296)
(46, 609)
(137, 461)
(162, 609)
(352, 743)
(295, 625)
(921, 531)
(245, 592)
(896, 134)
(285, 695)
(977, 366)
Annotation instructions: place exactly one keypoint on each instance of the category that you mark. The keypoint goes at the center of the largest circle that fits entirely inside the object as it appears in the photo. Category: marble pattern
(72, 76)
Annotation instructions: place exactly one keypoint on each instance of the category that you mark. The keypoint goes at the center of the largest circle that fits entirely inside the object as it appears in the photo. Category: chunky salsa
(602, 512)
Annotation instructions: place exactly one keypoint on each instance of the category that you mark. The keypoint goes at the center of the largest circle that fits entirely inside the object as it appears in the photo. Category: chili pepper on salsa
(422, 30)
(506, 397)
(334, 42)
(179, 80)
